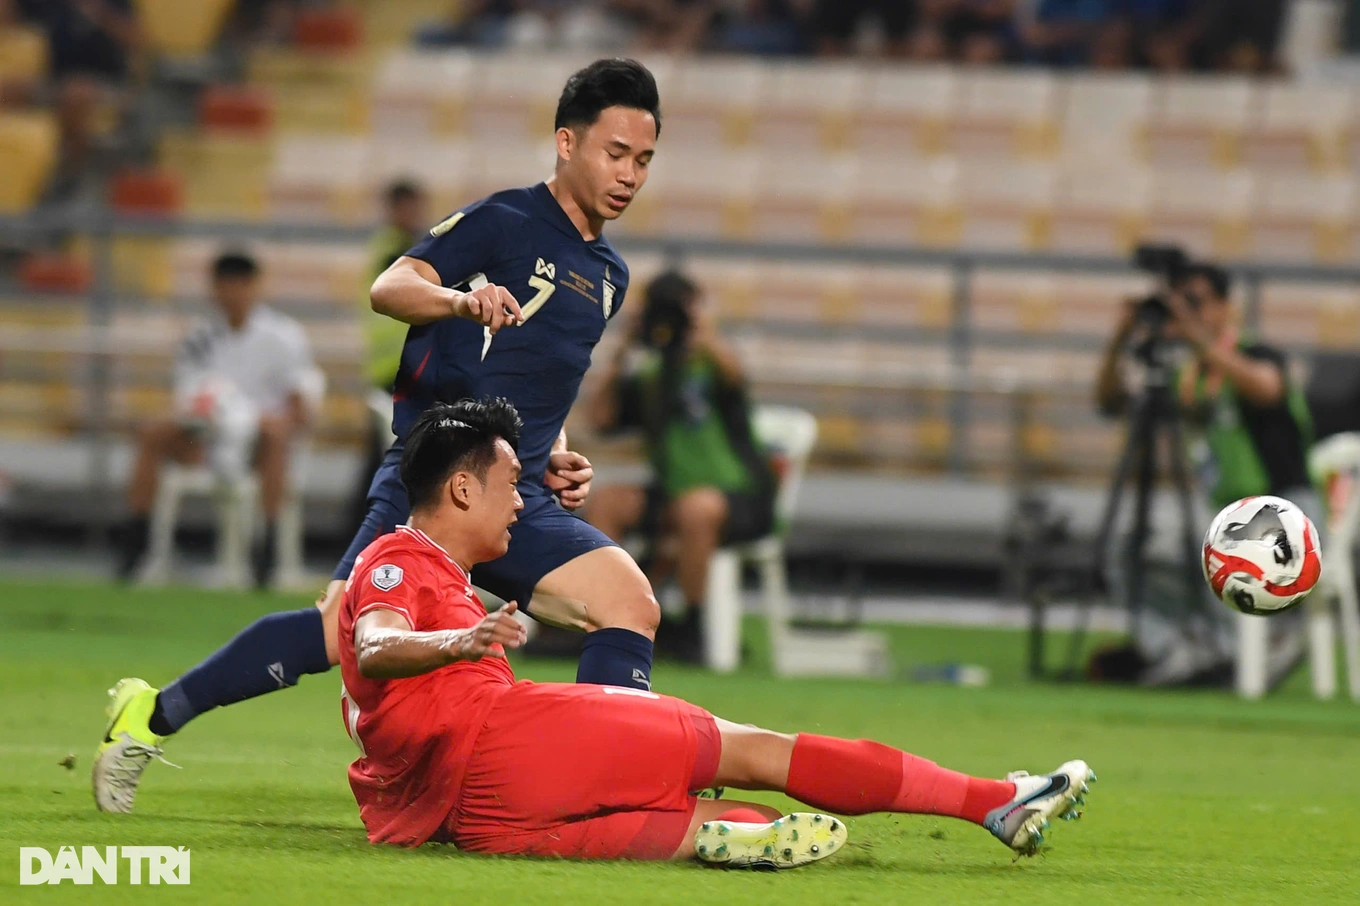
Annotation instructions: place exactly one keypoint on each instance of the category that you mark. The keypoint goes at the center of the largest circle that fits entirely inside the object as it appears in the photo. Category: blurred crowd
(1165, 35)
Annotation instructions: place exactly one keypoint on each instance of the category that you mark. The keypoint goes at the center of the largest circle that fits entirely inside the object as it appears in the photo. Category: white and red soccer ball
(1262, 555)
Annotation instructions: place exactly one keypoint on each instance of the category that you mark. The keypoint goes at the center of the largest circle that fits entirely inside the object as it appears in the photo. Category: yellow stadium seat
(224, 175)
(1100, 208)
(700, 192)
(1311, 314)
(177, 28)
(1007, 204)
(28, 152)
(390, 23)
(801, 198)
(1008, 110)
(23, 55)
(713, 101)
(902, 200)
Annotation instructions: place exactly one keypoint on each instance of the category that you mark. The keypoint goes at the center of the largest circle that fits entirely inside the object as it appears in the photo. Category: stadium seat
(1100, 208)
(512, 97)
(53, 272)
(224, 174)
(1107, 116)
(1071, 304)
(236, 505)
(808, 106)
(712, 101)
(28, 153)
(331, 29)
(908, 110)
(1006, 205)
(699, 193)
(491, 168)
(235, 108)
(802, 198)
(1310, 314)
(1008, 110)
(422, 93)
(1335, 462)
(1304, 217)
(178, 29)
(23, 55)
(1301, 126)
(146, 191)
(1200, 120)
(887, 296)
(323, 178)
(1207, 211)
(905, 201)
(392, 24)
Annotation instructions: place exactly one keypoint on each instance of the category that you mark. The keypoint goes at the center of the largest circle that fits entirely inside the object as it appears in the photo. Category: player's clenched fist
(490, 305)
(499, 628)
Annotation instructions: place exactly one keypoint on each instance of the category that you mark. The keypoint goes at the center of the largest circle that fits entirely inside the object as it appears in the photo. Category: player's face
(408, 214)
(1214, 313)
(608, 161)
(499, 502)
(235, 296)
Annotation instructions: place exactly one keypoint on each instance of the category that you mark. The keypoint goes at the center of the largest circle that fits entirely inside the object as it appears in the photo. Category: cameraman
(1248, 434)
(683, 386)
(1253, 423)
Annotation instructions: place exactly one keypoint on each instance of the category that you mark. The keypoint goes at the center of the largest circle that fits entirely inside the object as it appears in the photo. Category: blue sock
(616, 657)
(268, 655)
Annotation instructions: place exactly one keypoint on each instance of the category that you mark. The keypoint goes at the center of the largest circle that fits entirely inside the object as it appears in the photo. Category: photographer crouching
(1247, 432)
(682, 384)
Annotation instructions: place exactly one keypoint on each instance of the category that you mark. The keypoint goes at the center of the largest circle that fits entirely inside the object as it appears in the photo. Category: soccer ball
(1261, 555)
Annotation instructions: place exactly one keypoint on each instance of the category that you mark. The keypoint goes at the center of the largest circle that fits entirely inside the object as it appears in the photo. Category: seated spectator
(239, 402)
(91, 46)
(1244, 35)
(769, 27)
(711, 485)
(837, 24)
(971, 31)
(1065, 32)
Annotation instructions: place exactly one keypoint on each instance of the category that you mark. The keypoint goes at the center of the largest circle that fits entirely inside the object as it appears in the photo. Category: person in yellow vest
(404, 222)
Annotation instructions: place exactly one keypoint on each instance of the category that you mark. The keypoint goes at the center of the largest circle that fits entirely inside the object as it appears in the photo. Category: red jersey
(415, 733)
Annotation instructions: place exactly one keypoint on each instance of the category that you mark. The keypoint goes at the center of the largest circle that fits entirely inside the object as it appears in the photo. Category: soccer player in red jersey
(453, 749)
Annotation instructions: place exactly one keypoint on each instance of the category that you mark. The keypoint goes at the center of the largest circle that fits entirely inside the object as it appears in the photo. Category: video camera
(666, 319)
(1168, 262)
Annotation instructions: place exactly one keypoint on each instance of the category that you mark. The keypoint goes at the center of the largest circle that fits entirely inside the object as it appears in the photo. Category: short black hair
(453, 437)
(603, 84)
(403, 190)
(234, 264)
(671, 288)
(1218, 278)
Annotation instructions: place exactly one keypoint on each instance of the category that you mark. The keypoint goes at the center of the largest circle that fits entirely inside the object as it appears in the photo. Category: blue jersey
(567, 288)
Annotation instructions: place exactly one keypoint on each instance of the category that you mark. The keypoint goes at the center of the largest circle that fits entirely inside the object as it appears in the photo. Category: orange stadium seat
(1200, 120)
(146, 191)
(328, 29)
(23, 55)
(234, 108)
(1301, 126)
(55, 273)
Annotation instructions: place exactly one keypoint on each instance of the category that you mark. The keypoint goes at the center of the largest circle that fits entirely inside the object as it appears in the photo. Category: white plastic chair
(793, 432)
(236, 503)
(1337, 461)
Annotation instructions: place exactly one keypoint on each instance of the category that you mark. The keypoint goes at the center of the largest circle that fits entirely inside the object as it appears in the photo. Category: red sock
(855, 777)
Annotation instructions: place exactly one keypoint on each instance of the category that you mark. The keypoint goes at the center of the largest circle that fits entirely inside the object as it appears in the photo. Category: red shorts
(591, 772)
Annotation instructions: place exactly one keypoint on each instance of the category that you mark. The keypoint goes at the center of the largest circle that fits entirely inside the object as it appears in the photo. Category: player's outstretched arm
(386, 647)
(411, 291)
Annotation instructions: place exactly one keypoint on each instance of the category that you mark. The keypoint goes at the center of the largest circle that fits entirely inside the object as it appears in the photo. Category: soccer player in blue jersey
(506, 298)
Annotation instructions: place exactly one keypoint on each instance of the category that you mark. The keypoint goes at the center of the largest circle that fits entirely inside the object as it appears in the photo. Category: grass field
(1202, 798)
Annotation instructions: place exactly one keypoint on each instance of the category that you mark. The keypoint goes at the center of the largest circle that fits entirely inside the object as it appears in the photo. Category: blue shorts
(545, 537)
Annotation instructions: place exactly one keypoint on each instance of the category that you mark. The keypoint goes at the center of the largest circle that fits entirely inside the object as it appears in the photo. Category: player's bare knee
(703, 509)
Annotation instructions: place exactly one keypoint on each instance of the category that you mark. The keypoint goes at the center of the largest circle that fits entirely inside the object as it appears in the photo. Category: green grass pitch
(1201, 798)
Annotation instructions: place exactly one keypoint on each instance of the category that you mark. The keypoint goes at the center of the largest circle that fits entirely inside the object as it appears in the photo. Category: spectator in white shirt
(240, 380)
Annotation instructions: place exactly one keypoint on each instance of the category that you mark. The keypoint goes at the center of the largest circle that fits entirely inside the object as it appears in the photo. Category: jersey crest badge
(607, 296)
(387, 577)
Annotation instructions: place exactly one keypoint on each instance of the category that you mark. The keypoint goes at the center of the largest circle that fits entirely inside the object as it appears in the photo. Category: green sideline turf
(1201, 798)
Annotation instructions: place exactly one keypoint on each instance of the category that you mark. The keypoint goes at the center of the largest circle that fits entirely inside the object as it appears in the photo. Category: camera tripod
(1154, 419)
